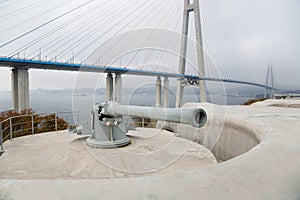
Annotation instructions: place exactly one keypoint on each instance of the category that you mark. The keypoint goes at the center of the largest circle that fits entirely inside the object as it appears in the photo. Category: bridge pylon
(269, 92)
(191, 6)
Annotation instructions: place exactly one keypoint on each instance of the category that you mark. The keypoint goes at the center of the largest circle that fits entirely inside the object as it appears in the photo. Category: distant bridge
(51, 38)
(37, 64)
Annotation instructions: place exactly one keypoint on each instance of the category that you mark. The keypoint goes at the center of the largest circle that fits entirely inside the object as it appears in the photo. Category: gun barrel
(196, 117)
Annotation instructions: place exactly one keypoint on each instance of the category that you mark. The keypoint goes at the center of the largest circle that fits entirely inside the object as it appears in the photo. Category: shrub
(251, 101)
(22, 125)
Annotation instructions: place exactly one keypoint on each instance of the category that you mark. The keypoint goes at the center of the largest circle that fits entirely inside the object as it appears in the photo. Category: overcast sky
(241, 37)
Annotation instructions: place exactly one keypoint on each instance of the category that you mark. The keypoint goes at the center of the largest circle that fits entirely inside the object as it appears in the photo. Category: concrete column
(158, 92)
(200, 56)
(183, 50)
(118, 88)
(109, 87)
(20, 89)
(14, 89)
(166, 92)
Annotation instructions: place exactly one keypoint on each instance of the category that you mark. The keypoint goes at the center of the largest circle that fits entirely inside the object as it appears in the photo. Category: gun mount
(113, 125)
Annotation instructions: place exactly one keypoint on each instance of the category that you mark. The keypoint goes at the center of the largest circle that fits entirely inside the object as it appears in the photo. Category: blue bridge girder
(38, 64)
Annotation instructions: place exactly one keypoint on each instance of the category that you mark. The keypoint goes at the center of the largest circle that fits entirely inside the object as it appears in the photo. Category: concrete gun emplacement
(112, 127)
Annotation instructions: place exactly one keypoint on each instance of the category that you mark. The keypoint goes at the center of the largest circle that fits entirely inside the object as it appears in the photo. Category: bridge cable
(18, 11)
(107, 20)
(31, 43)
(129, 41)
(220, 64)
(73, 31)
(171, 18)
(147, 39)
(82, 39)
(176, 25)
(142, 11)
(162, 55)
(9, 5)
(44, 24)
(35, 16)
(63, 26)
(123, 27)
(142, 20)
(210, 52)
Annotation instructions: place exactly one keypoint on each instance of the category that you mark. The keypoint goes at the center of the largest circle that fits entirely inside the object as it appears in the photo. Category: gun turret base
(108, 144)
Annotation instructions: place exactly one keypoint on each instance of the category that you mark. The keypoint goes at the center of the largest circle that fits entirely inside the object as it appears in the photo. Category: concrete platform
(59, 155)
(259, 144)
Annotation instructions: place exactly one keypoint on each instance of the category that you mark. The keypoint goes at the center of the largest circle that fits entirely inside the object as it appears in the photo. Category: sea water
(67, 102)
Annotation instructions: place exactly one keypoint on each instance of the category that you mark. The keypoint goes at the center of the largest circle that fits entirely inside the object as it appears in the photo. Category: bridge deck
(37, 64)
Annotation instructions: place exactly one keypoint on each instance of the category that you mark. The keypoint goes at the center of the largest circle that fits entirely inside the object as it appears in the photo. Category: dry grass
(251, 101)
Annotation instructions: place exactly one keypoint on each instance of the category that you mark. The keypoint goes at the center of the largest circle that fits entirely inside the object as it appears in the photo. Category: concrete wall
(225, 138)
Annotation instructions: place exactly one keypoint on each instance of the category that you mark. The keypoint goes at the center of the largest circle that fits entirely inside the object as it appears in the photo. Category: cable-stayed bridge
(75, 32)
(37, 64)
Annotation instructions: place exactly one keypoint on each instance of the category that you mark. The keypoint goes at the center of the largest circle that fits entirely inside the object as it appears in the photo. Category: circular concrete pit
(260, 145)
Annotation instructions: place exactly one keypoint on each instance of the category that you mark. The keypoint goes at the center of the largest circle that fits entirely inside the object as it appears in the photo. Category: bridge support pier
(20, 89)
(158, 92)
(166, 92)
(109, 87)
(118, 88)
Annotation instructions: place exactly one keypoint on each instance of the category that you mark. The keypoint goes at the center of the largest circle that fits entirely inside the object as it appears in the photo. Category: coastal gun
(113, 125)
